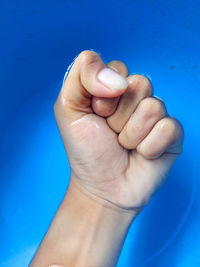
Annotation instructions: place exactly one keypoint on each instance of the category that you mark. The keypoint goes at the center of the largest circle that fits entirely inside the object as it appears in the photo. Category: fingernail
(112, 79)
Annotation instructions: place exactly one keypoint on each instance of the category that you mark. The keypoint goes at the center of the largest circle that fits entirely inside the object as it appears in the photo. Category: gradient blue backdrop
(38, 40)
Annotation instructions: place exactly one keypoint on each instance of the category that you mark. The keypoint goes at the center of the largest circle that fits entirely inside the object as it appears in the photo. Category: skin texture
(120, 146)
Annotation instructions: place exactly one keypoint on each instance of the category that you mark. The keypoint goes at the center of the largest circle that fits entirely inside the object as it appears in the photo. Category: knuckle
(171, 128)
(88, 57)
(152, 106)
(143, 85)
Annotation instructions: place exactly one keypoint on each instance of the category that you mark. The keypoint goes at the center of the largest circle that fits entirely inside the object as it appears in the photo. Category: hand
(119, 140)
(120, 144)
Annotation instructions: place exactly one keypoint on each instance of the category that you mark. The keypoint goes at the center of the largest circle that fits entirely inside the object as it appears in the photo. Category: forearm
(84, 232)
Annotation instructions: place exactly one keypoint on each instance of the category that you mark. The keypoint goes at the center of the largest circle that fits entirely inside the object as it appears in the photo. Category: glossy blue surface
(38, 40)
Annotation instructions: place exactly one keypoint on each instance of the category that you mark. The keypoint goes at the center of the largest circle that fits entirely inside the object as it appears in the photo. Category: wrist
(104, 197)
(85, 232)
(101, 227)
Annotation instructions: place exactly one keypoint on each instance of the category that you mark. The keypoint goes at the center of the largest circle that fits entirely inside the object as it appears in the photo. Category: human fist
(119, 139)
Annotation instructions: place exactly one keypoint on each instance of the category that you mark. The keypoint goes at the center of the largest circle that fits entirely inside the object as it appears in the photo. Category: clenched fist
(119, 139)
(120, 144)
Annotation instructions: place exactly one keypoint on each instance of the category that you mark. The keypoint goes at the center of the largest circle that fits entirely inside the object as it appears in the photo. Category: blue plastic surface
(38, 41)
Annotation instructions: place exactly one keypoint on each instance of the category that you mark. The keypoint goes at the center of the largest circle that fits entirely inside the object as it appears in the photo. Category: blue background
(38, 40)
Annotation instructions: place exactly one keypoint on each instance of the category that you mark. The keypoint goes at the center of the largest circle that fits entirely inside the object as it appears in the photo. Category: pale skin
(120, 145)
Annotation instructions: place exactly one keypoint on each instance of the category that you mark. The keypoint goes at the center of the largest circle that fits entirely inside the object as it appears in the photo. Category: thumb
(89, 76)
